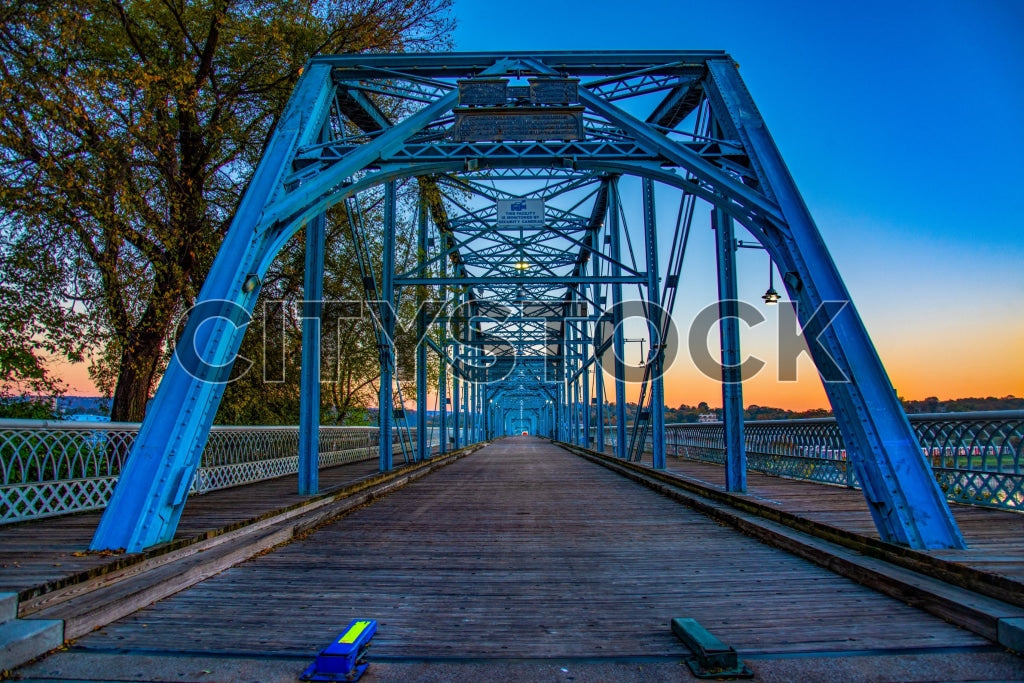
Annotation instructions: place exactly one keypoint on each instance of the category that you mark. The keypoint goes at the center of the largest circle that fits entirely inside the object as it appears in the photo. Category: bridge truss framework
(525, 320)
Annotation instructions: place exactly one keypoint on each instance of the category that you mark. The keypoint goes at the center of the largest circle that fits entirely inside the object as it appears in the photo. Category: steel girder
(360, 121)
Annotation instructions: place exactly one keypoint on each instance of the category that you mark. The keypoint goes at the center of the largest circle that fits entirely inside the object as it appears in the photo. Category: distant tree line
(687, 413)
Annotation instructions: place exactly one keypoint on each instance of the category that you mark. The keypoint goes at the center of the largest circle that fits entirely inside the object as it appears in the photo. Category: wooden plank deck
(995, 538)
(43, 551)
(522, 550)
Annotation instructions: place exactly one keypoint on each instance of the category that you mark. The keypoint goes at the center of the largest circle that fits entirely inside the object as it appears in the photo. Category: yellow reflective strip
(350, 635)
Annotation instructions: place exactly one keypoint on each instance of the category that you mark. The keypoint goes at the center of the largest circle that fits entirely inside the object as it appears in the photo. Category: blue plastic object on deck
(343, 659)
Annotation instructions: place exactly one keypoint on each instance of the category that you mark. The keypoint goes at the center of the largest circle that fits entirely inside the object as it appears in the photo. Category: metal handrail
(977, 457)
(50, 468)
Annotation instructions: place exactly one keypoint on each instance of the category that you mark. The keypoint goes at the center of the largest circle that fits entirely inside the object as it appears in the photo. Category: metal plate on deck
(520, 123)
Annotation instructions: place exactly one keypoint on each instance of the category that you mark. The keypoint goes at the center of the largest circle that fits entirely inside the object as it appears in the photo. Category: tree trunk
(139, 363)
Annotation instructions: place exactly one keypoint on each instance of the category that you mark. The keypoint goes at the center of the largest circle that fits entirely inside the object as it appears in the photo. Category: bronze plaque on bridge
(518, 123)
(554, 90)
(483, 92)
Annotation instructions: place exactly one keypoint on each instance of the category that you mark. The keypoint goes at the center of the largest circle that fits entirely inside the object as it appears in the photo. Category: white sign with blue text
(520, 213)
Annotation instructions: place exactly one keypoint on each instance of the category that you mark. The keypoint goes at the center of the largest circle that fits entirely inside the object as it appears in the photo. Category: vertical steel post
(470, 404)
(585, 378)
(456, 399)
(309, 379)
(474, 400)
(557, 413)
(387, 320)
(422, 448)
(655, 325)
(732, 379)
(442, 379)
(618, 338)
(442, 402)
(598, 365)
(570, 384)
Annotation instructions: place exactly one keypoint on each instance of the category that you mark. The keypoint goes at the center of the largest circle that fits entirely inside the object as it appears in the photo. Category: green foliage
(26, 407)
(268, 392)
(34, 325)
(130, 131)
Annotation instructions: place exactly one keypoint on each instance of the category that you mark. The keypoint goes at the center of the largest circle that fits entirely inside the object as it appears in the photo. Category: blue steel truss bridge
(530, 260)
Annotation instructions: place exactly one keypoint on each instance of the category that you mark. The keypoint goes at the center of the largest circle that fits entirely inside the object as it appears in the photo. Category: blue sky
(903, 124)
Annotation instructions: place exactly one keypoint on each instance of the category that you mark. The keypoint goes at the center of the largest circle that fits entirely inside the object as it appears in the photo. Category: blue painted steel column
(732, 379)
(559, 413)
(655, 325)
(474, 400)
(442, 401)
(154, 483)
(618, 338)
(467, 410)
(442, 379)
(587, 440)
(467, 406)
(456, 399)
(598, 367)
(485, 414)
(309, 381)
(387, 320)
(422, 449)
(569, 363)
(907, 505)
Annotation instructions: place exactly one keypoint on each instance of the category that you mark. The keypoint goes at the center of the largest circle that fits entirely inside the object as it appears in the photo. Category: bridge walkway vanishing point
(525, 561)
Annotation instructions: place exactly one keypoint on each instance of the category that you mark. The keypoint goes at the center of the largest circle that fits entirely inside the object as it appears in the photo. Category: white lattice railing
(977, 458)
(56, 468)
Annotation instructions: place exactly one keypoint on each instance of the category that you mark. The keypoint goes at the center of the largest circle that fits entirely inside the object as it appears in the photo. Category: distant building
(704, 418)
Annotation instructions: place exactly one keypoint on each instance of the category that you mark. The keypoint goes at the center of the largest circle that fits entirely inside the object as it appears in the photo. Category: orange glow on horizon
(944, 365)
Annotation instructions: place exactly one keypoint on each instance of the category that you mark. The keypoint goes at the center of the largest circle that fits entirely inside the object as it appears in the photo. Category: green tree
(33, 328)
(129, 133)
(266, 388)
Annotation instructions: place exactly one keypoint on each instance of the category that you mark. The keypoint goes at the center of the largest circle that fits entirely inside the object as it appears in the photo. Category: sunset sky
(903, 125)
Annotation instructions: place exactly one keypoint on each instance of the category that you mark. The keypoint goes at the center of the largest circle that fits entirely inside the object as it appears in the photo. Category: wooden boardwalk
(522, 550)
(995, 538)
(41, 552)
